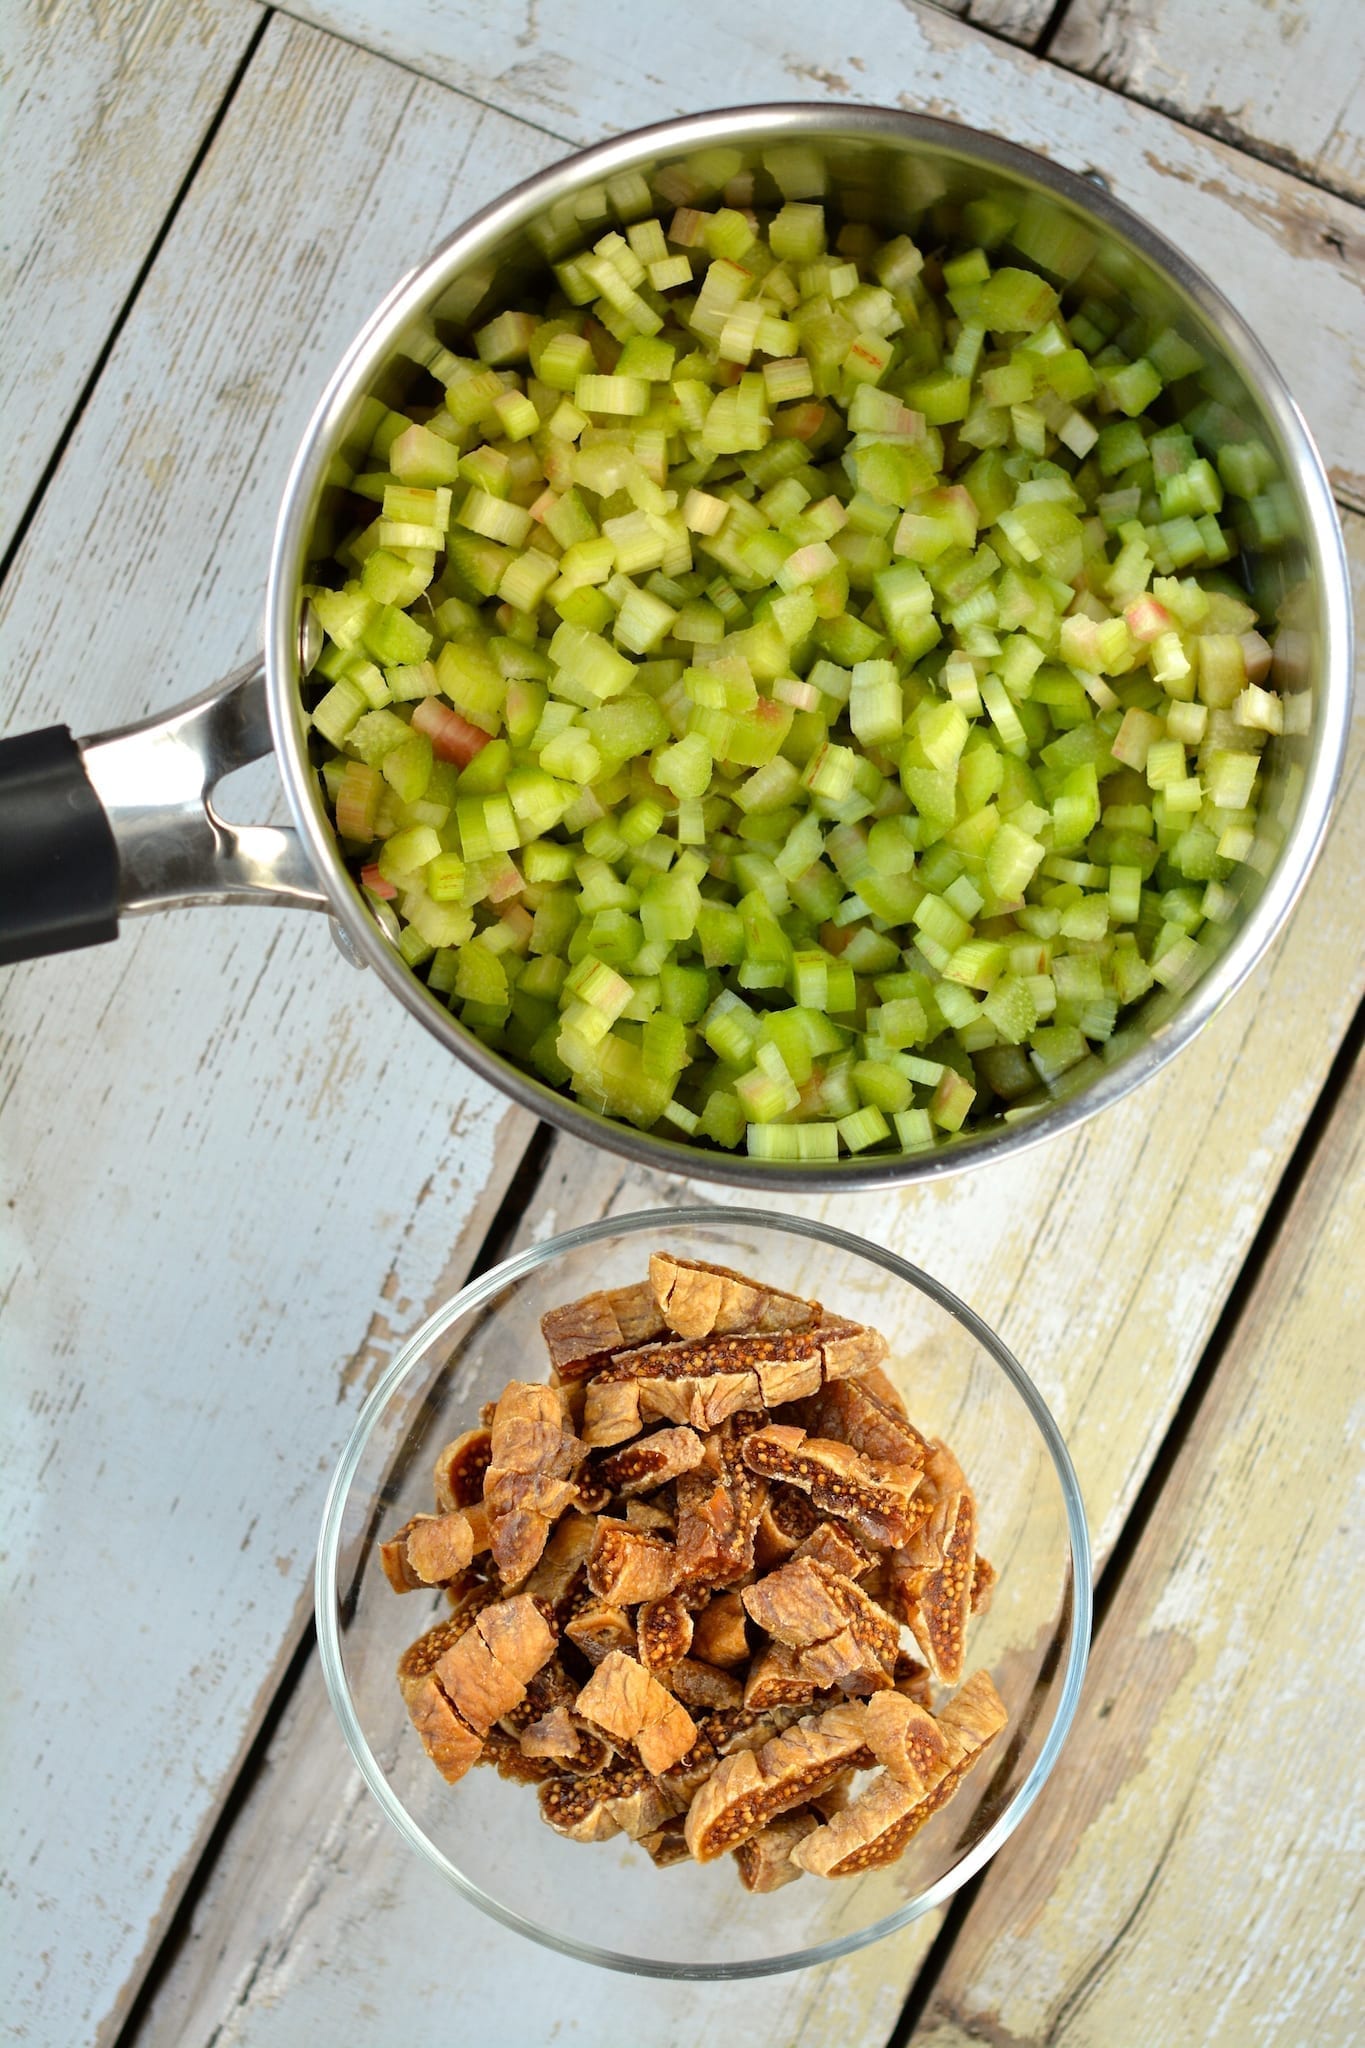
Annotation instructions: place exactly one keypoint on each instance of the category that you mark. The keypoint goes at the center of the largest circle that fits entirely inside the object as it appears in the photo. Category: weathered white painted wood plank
(1104, 1261)
(1284, 79)
(1018, 21)
(1193, 1876)
(102, 109)
(1290, 257)
(233, 1168)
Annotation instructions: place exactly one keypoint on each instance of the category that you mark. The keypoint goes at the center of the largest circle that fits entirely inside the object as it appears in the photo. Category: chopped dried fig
(642, 1805)
(984, 1576)
(844, 1638)
(611, 1412)
(460, 1469)
(562, 1559)
(658, 1516)
(872, 1831)
(704, 1685)
(764, 1861)
(553, 1735)
(879, 1382)
(916, 1748)
(626, 1564)
(663, 1630)
(530, 1474)
(787, 1519)
(777, 1680)
(851, 1412)
(484, 1673)
(650, 1461)
(505, 1753)
(667, 1845)
(447, 1738)
(598, 1627)
(719, 1635)
(628, 1705)
(577, 1807)
(430, 1550)
(840, 1481)
(706, 1379)
(912, 1678)
(420, 1659)
(836, 1796)
(875, 1829)
(696, 1299)
(747, 1790)
(717, 1520)
(581, 1333)
(937, 1600)
(840, 1549)
(637, 1313)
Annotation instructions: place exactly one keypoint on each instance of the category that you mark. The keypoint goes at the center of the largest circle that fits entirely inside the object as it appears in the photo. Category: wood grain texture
(317, 1918)
(102, 108)
(233, 1169)
(1285, 79)
(1277, 247)
(1187, 1877)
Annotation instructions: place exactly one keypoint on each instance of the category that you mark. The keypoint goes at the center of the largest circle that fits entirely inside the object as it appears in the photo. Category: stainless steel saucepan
(124, 822)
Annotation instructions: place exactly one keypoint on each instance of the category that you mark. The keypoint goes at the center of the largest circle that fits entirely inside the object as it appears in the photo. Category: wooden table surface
(217, 1223)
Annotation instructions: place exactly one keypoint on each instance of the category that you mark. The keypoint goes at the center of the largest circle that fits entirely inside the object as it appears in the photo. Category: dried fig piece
(642, 1805)
(777, 1680)
(835, 1796)
(852, 1413)
(875, 1829)
(505, 1753)
(577, 1806)
(663, 1633)
(709, 1378)
(912, 1678)
(554, 1735)
(460, 1468)
(429, 1550)
(650, 1461)
(637, 1313)
(529, 1481)
(719, 1635)
(626, 1564)
(667, 1845)
(844, 1638)
(447, 1738)
(787, 1519)
(717, 1520)
(840, 1481)
(764, 1861)
(484, 1673)
(984, 1576)
(580, 1333)
(870, 1832)
(704, 1685)
(611, 1412)
(592, 1495)
(696, 1299)
(420, 1658)
(657, 1516)
(879, 1382)
(598, 1627)
(562, 1560)
(914, 1747)
(749, 1789)
(838, 1548)
(936, 1601)
(626, 1704)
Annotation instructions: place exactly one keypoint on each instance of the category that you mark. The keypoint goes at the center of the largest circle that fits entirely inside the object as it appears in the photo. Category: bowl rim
(507, 1273)
(774, 122)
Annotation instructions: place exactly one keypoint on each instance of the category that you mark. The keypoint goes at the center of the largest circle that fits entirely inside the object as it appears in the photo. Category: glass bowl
(607, 1903)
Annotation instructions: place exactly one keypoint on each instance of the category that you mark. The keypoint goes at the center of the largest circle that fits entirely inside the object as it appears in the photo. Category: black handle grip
(58, 861)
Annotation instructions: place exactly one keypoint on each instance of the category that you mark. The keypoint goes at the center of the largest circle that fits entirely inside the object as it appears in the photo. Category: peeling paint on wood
(102, 109)
(1284, 79)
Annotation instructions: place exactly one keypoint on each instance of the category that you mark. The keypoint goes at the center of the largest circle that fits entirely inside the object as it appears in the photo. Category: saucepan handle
(124, 822)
